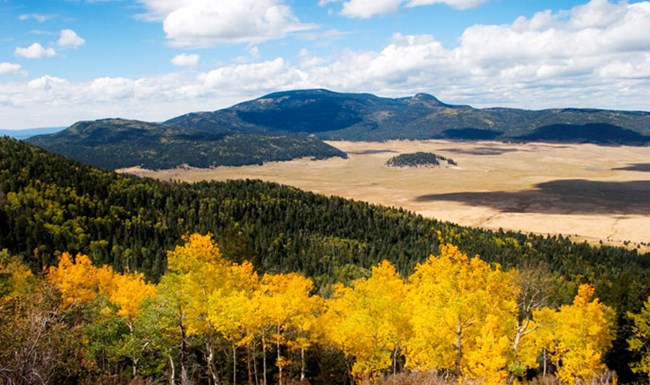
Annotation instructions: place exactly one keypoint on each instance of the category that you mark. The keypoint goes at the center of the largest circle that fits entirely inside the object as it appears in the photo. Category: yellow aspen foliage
(463, 312)
(231, 308)
(80, 282)
(370, 320)
(578, 335)
(284, 300)
(640, 340)
(128, 292)
(231, 312)
(196, 250)
(285, 297)
(77, 280)
(200, 269)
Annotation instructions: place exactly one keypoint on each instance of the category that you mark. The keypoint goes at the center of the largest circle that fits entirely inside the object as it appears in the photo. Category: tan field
(585, 191)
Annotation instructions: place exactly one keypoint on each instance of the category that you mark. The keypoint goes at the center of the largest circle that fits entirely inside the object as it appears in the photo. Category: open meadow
(595, 193)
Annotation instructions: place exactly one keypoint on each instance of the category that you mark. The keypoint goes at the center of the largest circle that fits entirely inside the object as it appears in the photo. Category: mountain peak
(427, 99)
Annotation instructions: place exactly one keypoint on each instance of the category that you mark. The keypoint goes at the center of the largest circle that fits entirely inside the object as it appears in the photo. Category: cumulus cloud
(596, 55)
(368, 8)
(34, 51)
(595, 34)
(204, 23)
(264, 76)
(46, 83)
(9, 68)
(186, 60)
(70, 39)
(458, 4)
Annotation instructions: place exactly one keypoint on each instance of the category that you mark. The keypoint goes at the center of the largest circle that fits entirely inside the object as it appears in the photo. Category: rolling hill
(293, 124)
(120, 143)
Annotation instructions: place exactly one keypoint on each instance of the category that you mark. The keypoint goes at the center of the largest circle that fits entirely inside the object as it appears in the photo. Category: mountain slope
(331, 115)
(119, 143)
(292, 124)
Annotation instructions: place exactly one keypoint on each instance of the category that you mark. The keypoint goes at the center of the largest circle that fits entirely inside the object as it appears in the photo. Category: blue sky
(67, 60)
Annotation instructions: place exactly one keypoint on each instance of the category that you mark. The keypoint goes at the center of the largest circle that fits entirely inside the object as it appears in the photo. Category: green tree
(639, 343)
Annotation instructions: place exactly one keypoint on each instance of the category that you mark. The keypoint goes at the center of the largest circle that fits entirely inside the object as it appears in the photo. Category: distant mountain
(29, 132)
(342, 116)
(291, 124)
(119, 143)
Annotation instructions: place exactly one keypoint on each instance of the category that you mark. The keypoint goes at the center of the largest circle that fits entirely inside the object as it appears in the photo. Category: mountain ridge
(290, 124)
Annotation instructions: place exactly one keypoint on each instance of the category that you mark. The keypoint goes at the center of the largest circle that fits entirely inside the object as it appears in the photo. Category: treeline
(49, 205)
(209, 320)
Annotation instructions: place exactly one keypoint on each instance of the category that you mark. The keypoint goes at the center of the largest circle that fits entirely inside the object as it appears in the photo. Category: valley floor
(595, 193)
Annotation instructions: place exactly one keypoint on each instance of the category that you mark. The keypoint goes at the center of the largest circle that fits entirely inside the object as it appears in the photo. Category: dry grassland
(588, 191)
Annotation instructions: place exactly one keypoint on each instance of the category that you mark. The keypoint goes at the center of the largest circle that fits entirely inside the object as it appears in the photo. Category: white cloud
(205, 23)
(69, 38)
(35, 51)
(157, 10)
(368, 8)
(596, 55)
(307, 59)
(186, 60)
(9, 68)
(458, 4)
(46, 83)
(108, 88)
(41, 18)
(263, 76)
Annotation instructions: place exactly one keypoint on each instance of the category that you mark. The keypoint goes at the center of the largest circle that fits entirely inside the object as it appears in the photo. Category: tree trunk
(395, 363)
(172, 371)
(264, 359)
(248, 364)
(257, 379)
(278, 363)
(234, 364)
(184, 378)
(302, 364)
(459, 348)
(213, 375)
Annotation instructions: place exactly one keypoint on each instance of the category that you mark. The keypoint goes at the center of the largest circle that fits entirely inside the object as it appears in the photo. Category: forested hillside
(349, 116)
(50, 205)
(120, 143)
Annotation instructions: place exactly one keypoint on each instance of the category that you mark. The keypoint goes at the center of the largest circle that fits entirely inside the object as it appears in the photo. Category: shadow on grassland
(572, 196)
(481, 150)
(642, 167)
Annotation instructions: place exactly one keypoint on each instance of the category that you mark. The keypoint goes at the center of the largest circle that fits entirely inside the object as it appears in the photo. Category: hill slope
(342, 116)
(119, 143)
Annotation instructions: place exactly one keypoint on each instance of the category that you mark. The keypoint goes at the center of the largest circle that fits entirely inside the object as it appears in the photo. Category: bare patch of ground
(587, 191)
